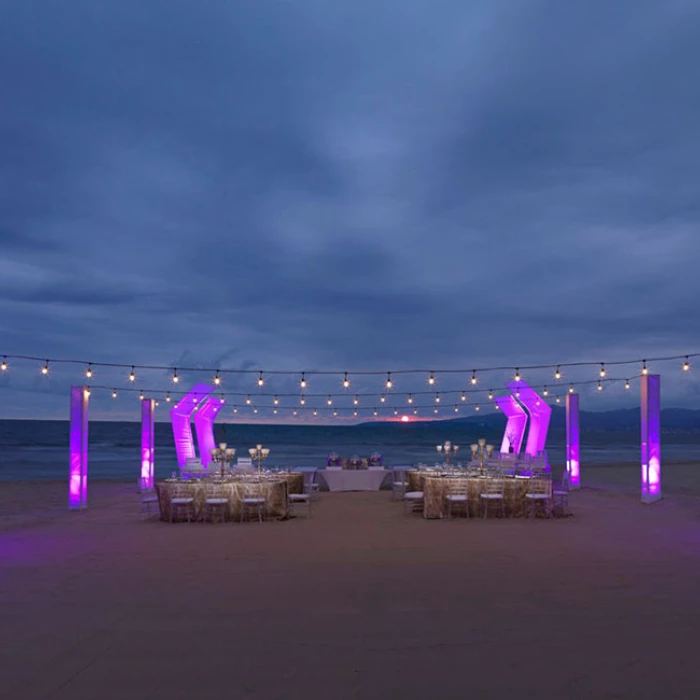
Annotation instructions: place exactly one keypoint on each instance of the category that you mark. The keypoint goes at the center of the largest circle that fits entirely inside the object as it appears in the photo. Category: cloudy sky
(347, 186)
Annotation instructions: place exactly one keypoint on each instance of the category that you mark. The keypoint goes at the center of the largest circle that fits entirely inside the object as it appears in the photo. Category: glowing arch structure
(540, 414)
(517, 420)
(204, 425)
(650, 386)
(180, 416)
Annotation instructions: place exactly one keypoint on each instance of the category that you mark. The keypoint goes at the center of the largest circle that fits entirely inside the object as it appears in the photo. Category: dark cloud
(347, 185)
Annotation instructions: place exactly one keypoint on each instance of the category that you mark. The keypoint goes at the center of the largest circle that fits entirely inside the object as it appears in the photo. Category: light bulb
(354, 413)
(217, 378)
(261, 381)
(600, 387)
(517, 394)
(557, 374)
(3, 366)
(167, 398)
(546, 391)
(176, 379)
(114, 394)
(141, 396)
(302, 383)
(645, 371)
(235, 409)
(88, 371)
(431, 379)
(375, 411)
(247, 400)
(557, 399)
(389, 383)
(456, 409)
(255, 410)
(464, 396)
(571, 389)
(45, 368)
(627, 384)
(274, 410)
(437, 398)
(476, 408)
(335, 411)
(415, 411)
(490, 394)
(346, 381)
(686, 365)
(473, 376)
(330, 401)
(435, 410)
(276, 400)
(602, 369)
(222, 399)
(517, 375)
(382, 398)
(396, 411)
(315, 412)
(356, 400)
(302, 401)
(410, 398)
(132, 376)
(294, 412)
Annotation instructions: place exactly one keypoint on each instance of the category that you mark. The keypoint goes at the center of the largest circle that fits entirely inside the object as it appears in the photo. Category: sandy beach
(358, 602)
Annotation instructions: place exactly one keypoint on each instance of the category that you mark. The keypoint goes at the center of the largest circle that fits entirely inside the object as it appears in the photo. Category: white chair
(182, 499)
(492, 492)
(253, 500)
(414, 498)
(215, 500)
(399, 482)
(539, 491)
(310, 485)
(457, 495)
(560, 493)
(148, 498)
(294, 499)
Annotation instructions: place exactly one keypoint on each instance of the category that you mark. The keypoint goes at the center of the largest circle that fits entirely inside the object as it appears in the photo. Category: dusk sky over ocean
(347, 186)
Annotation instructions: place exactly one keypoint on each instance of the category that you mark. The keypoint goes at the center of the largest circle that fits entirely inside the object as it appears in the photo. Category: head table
(274, 488)
(436, 485)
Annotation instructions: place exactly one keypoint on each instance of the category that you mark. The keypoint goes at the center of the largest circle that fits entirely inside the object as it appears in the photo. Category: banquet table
(435, 487)
(353, 479)
(273, 489)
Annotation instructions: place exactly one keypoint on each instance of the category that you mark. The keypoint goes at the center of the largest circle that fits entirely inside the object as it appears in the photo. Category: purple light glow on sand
(147, 443)
(517, 420)
(572, 441)
(651, 437)
(77, 478)
(540, 413)
(204, 425)
(180, 416)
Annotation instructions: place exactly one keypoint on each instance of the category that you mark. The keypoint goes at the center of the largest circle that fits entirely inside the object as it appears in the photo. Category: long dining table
(436, 486)
(274, 488)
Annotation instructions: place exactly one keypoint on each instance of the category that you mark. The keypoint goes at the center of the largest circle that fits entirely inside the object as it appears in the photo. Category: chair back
(398, 475)
(308, 480)
(457, 486)
(212, 490)
(538, 486)
(182, 491)
(493, 486)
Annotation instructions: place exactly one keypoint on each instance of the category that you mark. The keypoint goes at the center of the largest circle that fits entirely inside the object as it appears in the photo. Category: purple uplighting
(573, 464)
(650, 385)
(517, 420)
(204, 425)
(540, 413)
(180, 417)
(147, 443)
(77, 479)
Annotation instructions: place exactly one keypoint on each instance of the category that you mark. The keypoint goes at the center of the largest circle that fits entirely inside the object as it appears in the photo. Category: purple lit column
(77, 477)
(517, 420)
(204, 425)
(573, 464)
(181, 416)
(539, 412)
(651, 437)
(147, 443)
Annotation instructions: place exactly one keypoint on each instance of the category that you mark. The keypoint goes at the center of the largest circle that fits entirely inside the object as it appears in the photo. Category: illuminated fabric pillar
(180, 416)
(77, 477)
(573, 464)
(540, 413)
(204, 425)
(147, 442)
(517, 420)
(651, 437)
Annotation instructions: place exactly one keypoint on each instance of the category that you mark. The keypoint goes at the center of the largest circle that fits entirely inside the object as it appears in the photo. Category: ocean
(39, 449)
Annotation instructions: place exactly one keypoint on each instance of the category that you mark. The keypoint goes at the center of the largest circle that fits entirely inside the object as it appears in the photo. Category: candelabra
(259, 454)
(448, 449)
(481, 451)
(223, 455)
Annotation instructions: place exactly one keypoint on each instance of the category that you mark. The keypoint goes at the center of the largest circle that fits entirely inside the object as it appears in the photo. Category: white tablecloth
(353, 479)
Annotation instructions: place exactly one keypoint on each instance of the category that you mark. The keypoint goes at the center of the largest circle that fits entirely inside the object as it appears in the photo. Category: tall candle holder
(448, 449)
(481, 451)
(259, 454)
(223, 455)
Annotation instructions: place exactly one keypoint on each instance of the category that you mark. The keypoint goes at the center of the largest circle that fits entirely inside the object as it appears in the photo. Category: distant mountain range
(620, 420)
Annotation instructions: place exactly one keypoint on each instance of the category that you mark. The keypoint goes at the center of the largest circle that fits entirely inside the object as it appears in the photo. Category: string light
(87, 391)
(600, 386)
(356, 400)
(473, 376)
(456, 409)
(627, 383)
(545, 391)
(437, 398)
(557, 374)
(294, 412)
(389, 383)
(602, 369)
(431, 379)
(88, 371)
(463, 396)
(354, 413)
(645, 371)
(176, 379)
(335, 411)
(302, 383)
(415, 411)
(235, 409)
(222, 399)
(247, 400)
(255, 410)
(490, 394)
(346, 381)
(410, 398)
(517, 374)
(396, 411)
(315, 412)
(435, 410)
(558, 400)
(141, 396)
(217, 378)
(571, 388)
(3, 366)
(261, 381)
(167, 397)
(132, 375)
(302, 400)
(276, 400)
(686, 364)
(114, 394)
(45, 368)
(375, 412)
(517, 394)
(476, 408)
(330, 400)
(274, 410)
(382, 398)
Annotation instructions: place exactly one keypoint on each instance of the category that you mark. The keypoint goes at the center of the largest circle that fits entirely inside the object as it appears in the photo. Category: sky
(352, 186)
